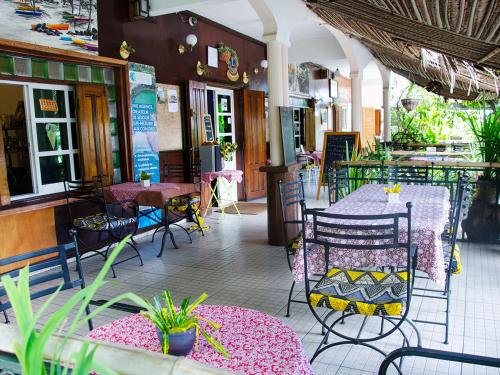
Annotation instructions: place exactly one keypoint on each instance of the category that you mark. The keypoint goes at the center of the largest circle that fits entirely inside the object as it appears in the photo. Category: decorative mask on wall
(232, 68)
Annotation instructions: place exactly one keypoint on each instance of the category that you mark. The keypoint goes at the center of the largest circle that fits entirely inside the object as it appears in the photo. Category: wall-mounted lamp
(337, 73)
(191, 41)
(263, 66)
(138, 9)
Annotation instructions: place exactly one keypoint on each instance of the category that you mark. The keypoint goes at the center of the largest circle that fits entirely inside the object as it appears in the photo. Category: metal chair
(338, 184)
(291, 194)
(451, 257)
(180, 208)
(363, 292)
(408, 175)
(90, 215)
(44, 273)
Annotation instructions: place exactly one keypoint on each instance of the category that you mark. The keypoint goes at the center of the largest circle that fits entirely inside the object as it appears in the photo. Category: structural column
(387, 113)
(356, 102)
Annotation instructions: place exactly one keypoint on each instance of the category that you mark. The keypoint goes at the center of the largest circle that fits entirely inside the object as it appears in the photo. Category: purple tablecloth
(429, 216)
(208, 177)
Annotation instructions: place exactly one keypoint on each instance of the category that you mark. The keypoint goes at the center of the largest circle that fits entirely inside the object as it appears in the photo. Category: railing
(437, 354)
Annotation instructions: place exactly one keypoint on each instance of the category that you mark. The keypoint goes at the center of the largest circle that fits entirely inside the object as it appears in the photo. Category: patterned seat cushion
(102, 222)
(456, 264)
(361, 292)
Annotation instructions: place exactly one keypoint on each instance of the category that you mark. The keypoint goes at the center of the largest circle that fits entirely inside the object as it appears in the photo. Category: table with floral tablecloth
(430, 211)
(225, 189)
(258, 343)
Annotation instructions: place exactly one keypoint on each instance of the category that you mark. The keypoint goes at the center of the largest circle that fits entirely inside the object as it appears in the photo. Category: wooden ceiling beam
(426, 36)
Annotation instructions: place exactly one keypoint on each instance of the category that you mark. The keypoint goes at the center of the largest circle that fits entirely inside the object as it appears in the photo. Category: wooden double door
(250, 123)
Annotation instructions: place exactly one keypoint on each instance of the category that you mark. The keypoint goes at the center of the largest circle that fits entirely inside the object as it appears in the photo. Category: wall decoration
(298, 78)
(208, 129)
(201, 69)
(232, 69)
(245, 78)
(126, 50)
(160, 95)
(67, 24)
(144, 122)
(173, 101)
(212, 57)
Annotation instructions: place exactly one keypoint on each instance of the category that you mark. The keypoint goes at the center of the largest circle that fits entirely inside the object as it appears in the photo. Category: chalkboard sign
(209, 131)
(337, 146)
(288, 135)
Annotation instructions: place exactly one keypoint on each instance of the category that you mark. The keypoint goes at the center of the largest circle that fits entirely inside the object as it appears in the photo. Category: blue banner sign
(144, 124)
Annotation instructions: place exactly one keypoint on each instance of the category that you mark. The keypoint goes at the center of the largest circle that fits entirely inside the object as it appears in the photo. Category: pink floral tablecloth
(429, 216)
(258, 343)
(208, 177)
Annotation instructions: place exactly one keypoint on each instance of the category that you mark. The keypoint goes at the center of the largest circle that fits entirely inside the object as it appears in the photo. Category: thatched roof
(450, 46)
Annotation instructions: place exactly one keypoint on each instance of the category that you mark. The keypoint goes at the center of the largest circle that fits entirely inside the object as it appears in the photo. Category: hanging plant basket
(410, 104)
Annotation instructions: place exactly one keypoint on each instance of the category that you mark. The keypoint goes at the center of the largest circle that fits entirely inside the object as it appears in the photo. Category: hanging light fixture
(336, 73)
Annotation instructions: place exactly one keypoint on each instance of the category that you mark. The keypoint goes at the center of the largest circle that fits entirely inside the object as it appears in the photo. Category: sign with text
(144, 123)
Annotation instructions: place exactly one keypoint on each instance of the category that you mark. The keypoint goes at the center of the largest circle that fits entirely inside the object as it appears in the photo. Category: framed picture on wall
(334, 89)
(212, 57)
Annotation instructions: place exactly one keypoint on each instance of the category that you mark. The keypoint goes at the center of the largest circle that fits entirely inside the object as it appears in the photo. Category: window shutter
(310, 129)
(94, 132)
(4, 184)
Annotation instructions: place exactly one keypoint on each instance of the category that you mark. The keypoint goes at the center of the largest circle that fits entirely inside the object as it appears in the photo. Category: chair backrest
(291, 194)
(45, 275)
(178, 171)
(408, 174)
(338, 184)
(359, 232)
(85, 194)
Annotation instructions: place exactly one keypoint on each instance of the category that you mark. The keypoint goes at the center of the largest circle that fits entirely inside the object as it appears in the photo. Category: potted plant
(145, 179)
(393, 193)
(178, 328)
(225, 52)
(30, 348)
(410, 103)
(482, 222)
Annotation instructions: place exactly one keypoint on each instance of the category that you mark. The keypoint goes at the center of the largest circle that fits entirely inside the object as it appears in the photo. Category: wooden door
(197, 107)
(94, 132)
(378, 127)
(255, 143)
(310, 125)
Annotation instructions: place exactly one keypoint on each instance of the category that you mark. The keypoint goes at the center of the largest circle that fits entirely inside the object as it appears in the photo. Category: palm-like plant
(487, 134)
(30, 351)
(169, 320)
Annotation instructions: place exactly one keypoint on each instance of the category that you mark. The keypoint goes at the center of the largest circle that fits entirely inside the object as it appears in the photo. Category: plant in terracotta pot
(225, 52)
(178, 328)
(145, 179)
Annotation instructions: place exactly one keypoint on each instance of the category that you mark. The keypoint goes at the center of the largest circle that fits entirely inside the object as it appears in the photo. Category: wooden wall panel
(368, 126)
(27, 231)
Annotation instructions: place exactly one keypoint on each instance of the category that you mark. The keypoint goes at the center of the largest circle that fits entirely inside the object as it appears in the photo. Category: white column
(276, 87)
(356, 101)
(284, 72)
(387, 113)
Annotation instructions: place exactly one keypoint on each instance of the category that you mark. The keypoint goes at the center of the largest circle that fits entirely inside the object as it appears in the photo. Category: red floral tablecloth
(431, 205)
(258, 343)
(208, 177)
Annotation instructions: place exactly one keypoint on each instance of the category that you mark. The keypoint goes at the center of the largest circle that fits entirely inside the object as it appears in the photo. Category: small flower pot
(146, 183)
(179, 344)
(393, 197)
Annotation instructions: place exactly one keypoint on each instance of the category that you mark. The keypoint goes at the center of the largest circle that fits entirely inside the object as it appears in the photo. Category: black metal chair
(291, 194)
(91, 216)
(451, 256)
(437, 354)
(411, 175)
(180, 208)
(338, 184)
(363, 292)
(44, 273)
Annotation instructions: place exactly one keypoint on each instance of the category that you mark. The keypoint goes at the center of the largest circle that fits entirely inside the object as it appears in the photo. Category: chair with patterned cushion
(451, 255)
(100, 224)
(362, 292)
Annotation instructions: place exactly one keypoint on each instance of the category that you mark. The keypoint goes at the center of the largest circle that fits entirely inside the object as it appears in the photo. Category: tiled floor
(235, 266)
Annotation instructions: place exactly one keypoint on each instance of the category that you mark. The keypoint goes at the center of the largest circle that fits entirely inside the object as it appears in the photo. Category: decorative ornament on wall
(125, 50)
(201, 69)
(232, 68)
(245, 78)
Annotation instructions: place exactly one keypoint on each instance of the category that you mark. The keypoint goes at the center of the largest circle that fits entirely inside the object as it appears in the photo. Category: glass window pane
(225, 124)
(52, 137)
(228, 139)
(74, 136)
(76, 163)
(71, 102)
(224, 103)
(49, 103)
(54, 169)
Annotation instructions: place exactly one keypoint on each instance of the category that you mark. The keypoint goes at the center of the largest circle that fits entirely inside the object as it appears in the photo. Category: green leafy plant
(144, 176)
(227, 150)
(376, 151)
(226, 52)
(169, 320)
(486, 130)
(30, 350)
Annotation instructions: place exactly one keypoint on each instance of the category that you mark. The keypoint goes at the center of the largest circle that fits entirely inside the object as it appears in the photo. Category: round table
(258, 343)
